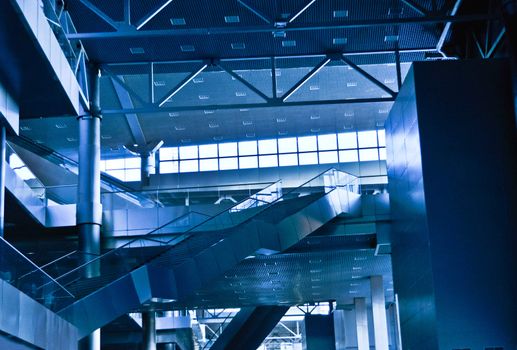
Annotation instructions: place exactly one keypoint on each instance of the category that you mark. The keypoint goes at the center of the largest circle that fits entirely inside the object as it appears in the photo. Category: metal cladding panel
(163, 283)
(207, 265)
(187, 277)
(9, 111)
(268, 236)
(10, 316)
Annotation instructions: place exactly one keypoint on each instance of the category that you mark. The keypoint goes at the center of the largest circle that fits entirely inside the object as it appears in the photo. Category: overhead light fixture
(137, 50)
(61, 126)
(384, 111)
(315, 117)
(209, 111)
(187, 48)
(159, 83)
(186, 140)
(198, 80)
(106, 137)
(213, 125)
(203, 97)
(247, 122)
(281, 120)
(349, 113)
(174, 114)
(179, 128)
(240, 93)
(178, 21)
(250, 135)
(315, 129)
(70, 139)
(314, 88)
(232, 19)
(351, 84)
(279, 34)
(25, 128)
(340, 13)
(288, 43)
(391, 38)
(238, 46)
(162, 300)
(339, 41)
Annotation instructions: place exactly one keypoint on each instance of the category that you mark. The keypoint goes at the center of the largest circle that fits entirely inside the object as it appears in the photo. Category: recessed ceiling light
(315, 130)
(380, 124)
(281, 120)
(288, 43)
(348, 126)
(383, 110)
(279, 34)
(71, 139)
(360, 258)
(238, 46)
(179, 128)
(340, 13)
(339, 41)
(203, 97)
(247, 122)
(352, 292)
(282, 133)
(178, 21)
(25, 128)
(174, 114)
(315, 117)
(314, 87)
(349, 113)
(250, 135)
(213, 125)
(159, 83)
(114, 148)
(137, 50)
(351, 84)
(240, 93)
(278, 72)
(391, 38)
(279, 91)
(354, 284)
(244, 110)
(389, 81)
(198, 80)
(232, 19)
(61, 126)
(209, 111)
(187, 48)
(106, 137)
(186, 140)
(218, 138)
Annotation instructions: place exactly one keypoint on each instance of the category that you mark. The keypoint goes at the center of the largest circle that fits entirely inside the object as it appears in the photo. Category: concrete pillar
(361, 320)
(380, 324)
(2, 177)
(149, 329)
(146, 167)
(89, 208)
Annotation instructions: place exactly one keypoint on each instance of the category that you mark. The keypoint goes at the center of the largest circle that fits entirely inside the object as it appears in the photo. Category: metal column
(2, 177)
(380, 325)
(149, 328)
(361, 320)
(146, 167)
(89, 208)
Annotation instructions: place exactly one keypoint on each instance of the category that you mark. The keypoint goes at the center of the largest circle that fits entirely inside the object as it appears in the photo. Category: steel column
(380, 325)
(2, 177)
(361, 321)
(146, 167)
(149, 329)
(89, 208)
(91, 341)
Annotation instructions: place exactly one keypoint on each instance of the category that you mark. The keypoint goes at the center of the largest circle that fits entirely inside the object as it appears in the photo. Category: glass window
(288, 159)
(188, 152)
(327, 142)
(307, 143)
(228, 149)
(247, 148)
(382, 137)
(382, 153)
(348, 156)
(287, 145)
(267, 146)
(15, 161)
(328, 157)
(347, 140)
(368, 154)
(208, 151)
(248, 162)
(169, 153)
(112, 164)
(208, 164)
(132, 163)
(188, 166)
(119, 174)
(102, 164)
(308, 158)
(268, 161)
(367, 138)
(133, 175)
(228, 163)
(169, 167)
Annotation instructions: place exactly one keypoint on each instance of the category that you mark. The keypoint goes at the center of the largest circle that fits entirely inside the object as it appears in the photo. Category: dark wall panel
(452, 169)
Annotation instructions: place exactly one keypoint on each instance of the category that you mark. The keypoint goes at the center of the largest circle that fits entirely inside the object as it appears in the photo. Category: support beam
(368, 76)
(255, 12)
(305, 79)
(416, 7)
(380, 324)
(302, 11)
(149, 329)
(181, 85)
(269, 28)
(361, 319)
(100, 13)
(244, 82)
(152, 14)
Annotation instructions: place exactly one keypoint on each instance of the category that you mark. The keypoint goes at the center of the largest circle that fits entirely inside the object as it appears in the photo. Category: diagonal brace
(416, 7)
(244, 82)
(305, 79)
(181, 85)
(129, 90)
(152, 14)
(255, 12)
(368, 76)
(302, 10)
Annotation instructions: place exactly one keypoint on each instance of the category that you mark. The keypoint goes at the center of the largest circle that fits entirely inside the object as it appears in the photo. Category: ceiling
(201, 72)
